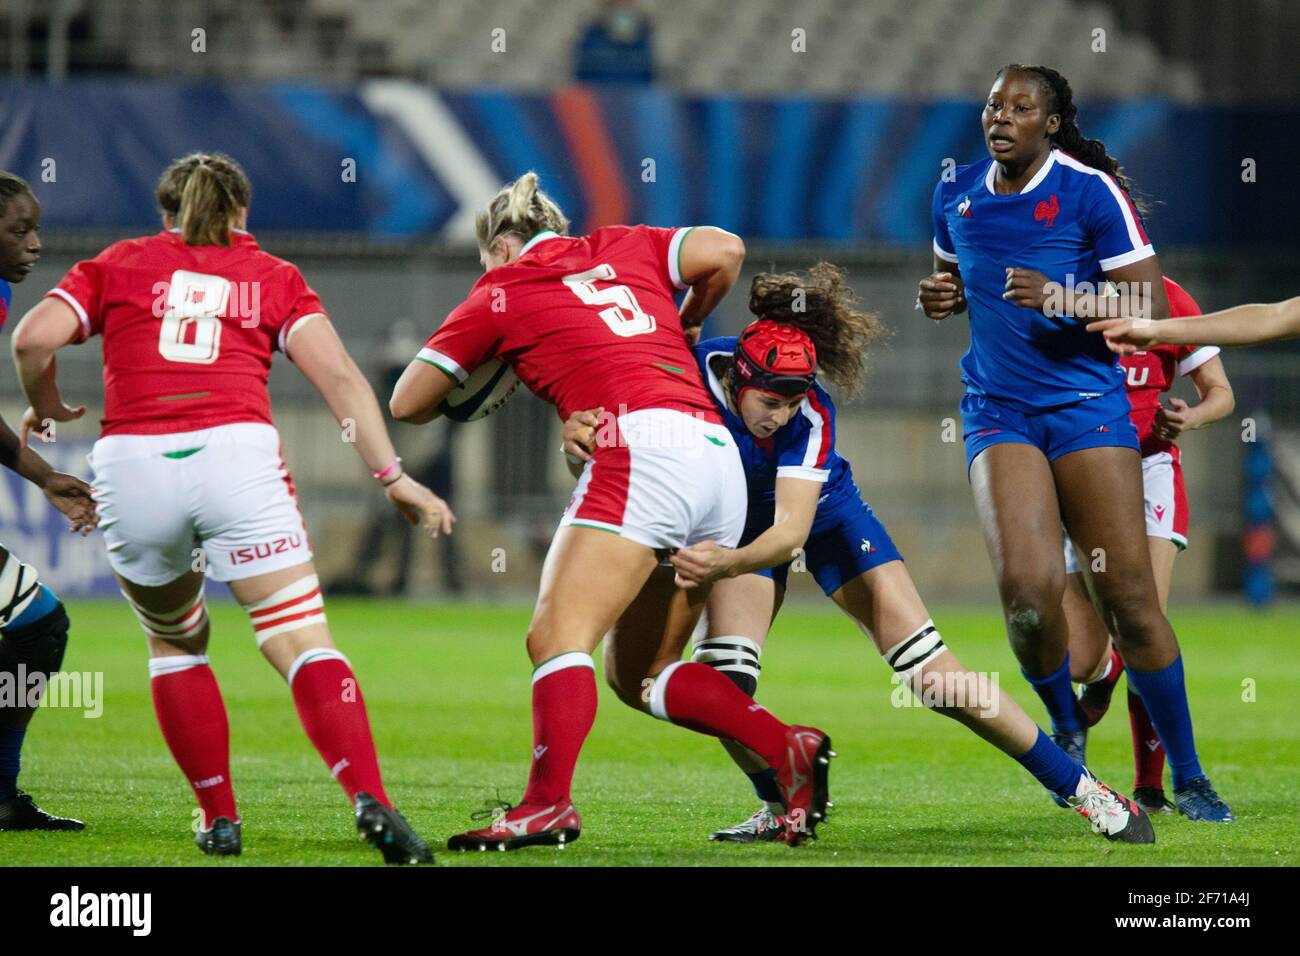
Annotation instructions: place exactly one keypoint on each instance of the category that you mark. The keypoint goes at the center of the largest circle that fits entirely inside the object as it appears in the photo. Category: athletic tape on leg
(729, 653)
(294, 606)
(18, 588)
(184, 622)
(908, 657)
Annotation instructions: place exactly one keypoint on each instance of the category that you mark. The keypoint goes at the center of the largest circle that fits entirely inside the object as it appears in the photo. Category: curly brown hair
(821, 303)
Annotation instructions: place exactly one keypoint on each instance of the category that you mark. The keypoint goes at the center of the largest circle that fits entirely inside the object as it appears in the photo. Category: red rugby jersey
(584, 321)
(188, 330)
(1152, 372)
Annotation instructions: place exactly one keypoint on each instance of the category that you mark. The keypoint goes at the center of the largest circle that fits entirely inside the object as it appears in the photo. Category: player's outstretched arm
(710, 259)
(47, 327)
(796, 506)
(319, 354)
(1242, 325)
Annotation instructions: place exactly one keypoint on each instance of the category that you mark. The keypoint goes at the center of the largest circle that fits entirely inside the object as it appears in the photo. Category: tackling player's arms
(796, 506)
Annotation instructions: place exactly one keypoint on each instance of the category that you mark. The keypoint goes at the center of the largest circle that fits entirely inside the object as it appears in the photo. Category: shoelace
(1100, 802)
(493, 810)
(1203, 793)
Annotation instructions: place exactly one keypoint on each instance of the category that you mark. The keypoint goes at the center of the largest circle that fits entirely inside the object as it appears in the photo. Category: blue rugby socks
(1057, 694)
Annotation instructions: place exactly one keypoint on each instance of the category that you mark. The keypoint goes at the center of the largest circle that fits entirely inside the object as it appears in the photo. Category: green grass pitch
(448, 694)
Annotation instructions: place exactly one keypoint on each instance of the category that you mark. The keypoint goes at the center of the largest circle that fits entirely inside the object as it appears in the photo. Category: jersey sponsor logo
(1045, 212)
(867, 547)
(963, 207)
(1160, 512)
(281, 545)
(1134, 381)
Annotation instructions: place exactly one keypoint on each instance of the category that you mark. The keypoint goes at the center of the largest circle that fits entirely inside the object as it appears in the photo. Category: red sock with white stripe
(564, 708)
(1148, 751)
(192, 717)
(333, 712)
(696, 696)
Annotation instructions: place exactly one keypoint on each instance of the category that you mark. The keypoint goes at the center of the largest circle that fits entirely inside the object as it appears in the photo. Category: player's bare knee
(1025, 620)
(1137, 620)
(1028, 598)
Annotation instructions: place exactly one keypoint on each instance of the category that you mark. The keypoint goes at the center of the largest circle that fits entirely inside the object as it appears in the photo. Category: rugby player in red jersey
(590, 321)
(190, 481)
(1149, 373)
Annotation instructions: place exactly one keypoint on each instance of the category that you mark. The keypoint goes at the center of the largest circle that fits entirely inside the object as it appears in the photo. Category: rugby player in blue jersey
(33, 623)
(802, 496)
(1026, 242)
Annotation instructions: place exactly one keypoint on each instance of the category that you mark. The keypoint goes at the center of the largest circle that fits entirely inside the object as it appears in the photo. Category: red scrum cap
(773, 357)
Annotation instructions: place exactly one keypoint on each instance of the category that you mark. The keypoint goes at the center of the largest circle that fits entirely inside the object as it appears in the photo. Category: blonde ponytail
(521, 209)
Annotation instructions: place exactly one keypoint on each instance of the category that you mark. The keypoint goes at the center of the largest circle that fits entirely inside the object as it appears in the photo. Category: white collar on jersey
(715, 384)
(1029, 186)
(540, 237)
(242, 232)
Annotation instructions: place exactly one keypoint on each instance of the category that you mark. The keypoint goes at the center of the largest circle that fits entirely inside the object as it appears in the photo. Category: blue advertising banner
(37, 533)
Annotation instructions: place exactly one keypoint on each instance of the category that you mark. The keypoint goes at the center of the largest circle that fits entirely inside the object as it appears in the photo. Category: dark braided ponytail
(1069, 137)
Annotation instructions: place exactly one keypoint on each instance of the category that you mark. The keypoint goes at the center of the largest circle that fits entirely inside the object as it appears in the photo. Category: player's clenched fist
(942, 294)
(1028, 288)
(701, 564)
(580, 433)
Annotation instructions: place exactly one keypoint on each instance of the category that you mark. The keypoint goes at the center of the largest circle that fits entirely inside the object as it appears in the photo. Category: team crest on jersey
(963, 207)
(1045, 212)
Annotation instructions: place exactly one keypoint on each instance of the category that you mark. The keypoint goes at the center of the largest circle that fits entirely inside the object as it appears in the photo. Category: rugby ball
(482, 393)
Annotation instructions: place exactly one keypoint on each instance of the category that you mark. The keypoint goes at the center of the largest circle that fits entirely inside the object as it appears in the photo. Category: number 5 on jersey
(624, 316)
(191, 326)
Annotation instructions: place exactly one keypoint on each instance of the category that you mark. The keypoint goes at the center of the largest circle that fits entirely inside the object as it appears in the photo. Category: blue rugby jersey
(1072, 223)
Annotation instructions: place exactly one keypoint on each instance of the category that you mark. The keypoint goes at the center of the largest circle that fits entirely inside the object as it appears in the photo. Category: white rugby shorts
(663, 478)
(219, 500)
